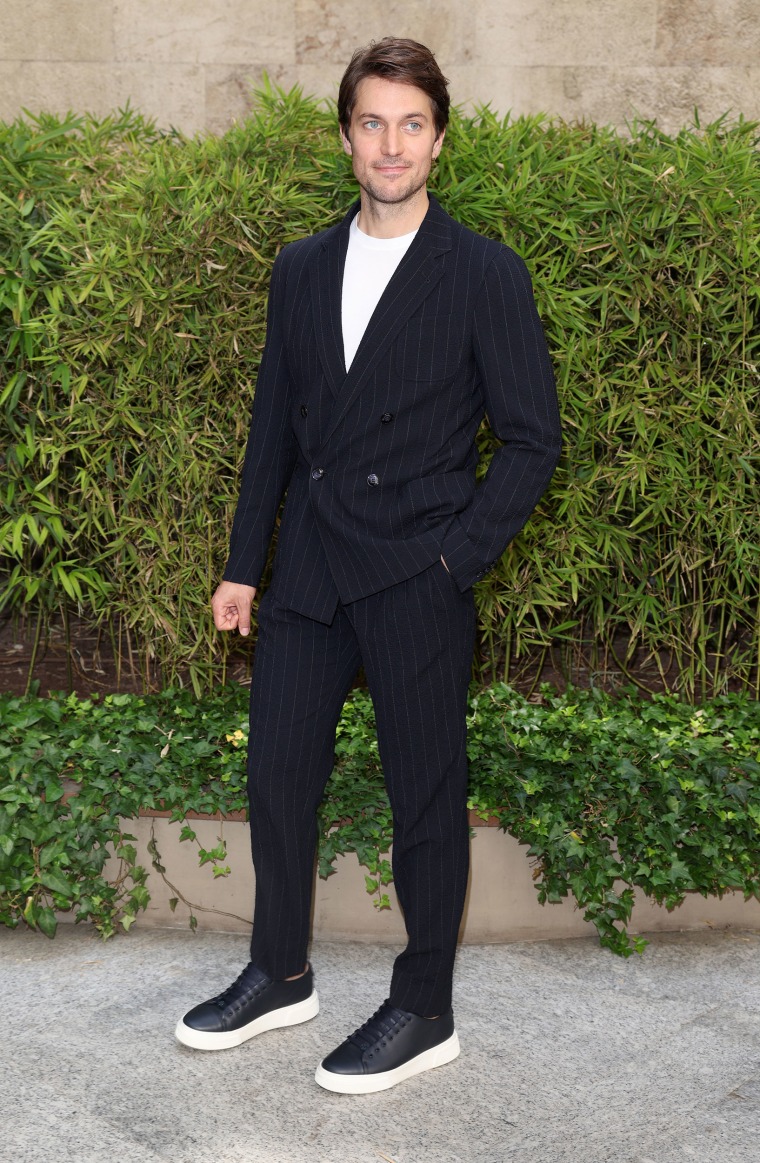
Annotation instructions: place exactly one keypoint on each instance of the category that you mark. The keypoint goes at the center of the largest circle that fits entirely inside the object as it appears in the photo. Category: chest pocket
(429, 348)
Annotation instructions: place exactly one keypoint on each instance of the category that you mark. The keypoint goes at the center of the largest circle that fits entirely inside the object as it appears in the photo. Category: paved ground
(569, 1055)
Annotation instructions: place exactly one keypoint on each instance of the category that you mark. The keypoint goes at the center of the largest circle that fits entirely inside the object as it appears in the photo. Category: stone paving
(569, 1055)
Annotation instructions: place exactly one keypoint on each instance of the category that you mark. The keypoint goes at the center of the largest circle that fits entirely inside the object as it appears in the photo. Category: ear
(345, 142)
(438, 143)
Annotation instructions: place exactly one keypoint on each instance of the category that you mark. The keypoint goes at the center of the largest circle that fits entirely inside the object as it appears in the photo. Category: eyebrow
(378, 116)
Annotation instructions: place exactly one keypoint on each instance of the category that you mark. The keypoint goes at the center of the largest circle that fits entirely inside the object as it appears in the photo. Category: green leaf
(47, 922)
(56, 883)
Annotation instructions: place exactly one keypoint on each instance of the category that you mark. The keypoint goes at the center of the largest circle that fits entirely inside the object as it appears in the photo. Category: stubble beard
(389, 196)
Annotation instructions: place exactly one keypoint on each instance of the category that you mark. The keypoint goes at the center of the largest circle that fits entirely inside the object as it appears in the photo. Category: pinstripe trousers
(415, 640)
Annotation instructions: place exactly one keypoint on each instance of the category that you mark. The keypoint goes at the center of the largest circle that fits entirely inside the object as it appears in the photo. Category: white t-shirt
(370, 263)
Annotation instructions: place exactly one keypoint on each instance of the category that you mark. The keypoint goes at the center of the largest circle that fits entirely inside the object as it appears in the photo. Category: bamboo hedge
(133, 277)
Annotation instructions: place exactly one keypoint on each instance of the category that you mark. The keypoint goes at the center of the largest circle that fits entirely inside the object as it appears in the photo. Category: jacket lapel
(326, 286)
(412, 281)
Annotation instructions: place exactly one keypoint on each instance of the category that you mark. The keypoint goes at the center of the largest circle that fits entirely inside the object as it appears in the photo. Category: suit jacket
(379, 463)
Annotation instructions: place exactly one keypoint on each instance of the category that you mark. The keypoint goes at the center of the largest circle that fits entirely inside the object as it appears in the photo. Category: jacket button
(373, 479)
(304, 409)
(386, 416)
(317, 473)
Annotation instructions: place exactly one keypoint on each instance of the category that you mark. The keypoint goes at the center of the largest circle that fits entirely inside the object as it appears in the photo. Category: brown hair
(397, 59)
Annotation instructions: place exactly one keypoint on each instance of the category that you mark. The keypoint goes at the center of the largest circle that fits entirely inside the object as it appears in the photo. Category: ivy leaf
(57, 883)
(47, 922)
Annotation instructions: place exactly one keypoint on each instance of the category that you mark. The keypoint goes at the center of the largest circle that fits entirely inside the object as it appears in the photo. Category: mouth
(391, 169)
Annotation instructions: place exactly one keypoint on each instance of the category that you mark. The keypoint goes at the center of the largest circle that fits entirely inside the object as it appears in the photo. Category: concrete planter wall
(501, 905)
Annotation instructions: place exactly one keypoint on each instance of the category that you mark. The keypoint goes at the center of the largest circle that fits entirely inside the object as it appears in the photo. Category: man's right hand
(231, 606)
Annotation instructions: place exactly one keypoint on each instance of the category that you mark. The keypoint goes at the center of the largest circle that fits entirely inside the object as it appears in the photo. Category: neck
(391, 219)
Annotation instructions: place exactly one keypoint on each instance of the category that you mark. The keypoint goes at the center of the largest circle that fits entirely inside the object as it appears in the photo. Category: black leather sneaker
(252, 1004)
(391, 1046)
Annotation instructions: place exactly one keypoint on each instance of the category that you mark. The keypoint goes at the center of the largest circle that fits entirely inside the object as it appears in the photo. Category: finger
(244, 619)
(226, 618)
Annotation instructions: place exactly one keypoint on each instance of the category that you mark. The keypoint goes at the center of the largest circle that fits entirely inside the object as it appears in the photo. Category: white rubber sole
(369, 1083)
(285, 1016)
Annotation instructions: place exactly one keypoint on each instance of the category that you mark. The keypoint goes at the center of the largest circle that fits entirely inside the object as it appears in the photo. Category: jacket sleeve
(520, 395)
(270, 454)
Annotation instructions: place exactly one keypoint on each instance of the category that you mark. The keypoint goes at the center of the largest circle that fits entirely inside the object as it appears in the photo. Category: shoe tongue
(253, 973)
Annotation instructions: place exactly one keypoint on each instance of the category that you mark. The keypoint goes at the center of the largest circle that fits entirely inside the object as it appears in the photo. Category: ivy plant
(608, 793)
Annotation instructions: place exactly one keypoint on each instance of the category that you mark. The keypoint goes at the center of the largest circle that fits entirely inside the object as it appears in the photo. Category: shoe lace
(250, 977)
(383, 1022)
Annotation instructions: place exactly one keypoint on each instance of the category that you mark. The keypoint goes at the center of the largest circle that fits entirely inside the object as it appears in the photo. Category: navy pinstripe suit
(379, 468)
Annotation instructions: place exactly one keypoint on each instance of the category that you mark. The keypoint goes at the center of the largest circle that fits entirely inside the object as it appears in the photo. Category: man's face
(392, 139)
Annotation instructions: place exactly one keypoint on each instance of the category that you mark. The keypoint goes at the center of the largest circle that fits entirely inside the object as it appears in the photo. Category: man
(388, 338)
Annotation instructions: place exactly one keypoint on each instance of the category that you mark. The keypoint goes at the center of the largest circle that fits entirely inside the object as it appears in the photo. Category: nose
(392, 141)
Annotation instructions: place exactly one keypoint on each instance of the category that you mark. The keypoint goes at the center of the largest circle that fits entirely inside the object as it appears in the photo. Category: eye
(371, 124)
(414, 124)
